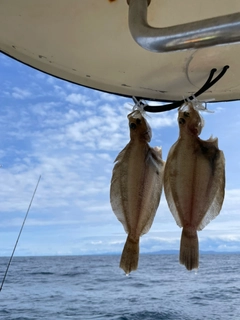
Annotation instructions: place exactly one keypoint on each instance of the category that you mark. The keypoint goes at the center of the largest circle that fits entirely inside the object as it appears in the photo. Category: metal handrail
(198, 34)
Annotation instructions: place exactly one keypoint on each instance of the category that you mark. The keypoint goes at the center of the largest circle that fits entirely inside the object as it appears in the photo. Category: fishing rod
(10, 260)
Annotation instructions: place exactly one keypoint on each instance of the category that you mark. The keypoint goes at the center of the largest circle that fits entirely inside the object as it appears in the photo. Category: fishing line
(10, 260)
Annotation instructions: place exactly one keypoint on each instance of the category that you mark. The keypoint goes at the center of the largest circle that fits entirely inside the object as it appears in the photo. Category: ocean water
(93, 287)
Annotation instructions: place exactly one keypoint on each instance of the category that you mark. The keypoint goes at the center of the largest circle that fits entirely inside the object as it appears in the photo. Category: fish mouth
(147, 135)
(194, 130)
(196, 127)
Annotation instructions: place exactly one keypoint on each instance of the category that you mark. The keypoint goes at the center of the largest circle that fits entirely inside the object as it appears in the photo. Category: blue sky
(71, 135)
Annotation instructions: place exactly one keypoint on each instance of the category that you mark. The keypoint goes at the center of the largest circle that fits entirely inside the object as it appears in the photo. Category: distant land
(165, 252)
(201, 252)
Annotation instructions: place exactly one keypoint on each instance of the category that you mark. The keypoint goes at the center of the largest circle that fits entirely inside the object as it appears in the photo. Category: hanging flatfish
(136, 187)
(194, 182)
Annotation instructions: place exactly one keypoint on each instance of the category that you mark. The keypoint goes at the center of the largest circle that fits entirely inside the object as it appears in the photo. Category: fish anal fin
(189, 253)
(130, 255)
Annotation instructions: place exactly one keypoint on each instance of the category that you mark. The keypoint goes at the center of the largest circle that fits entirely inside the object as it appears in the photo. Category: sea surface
(93, 287)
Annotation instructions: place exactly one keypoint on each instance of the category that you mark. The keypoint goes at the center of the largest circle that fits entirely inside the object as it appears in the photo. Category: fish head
(189, 120)
(139, 127)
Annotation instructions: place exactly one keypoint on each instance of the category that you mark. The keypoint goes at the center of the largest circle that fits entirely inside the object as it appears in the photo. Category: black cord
(208, 84)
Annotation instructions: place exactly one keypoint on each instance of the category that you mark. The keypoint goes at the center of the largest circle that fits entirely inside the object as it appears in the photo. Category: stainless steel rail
(200, 34)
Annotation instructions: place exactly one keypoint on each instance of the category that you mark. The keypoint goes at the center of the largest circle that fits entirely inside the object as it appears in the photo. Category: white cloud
(51, 80)
(80, 99)
(164, 119)
(19, 93)
(108, 97)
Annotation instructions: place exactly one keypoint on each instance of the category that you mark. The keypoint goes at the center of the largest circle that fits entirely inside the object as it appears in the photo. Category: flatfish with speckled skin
(194, 182)
(136, 187)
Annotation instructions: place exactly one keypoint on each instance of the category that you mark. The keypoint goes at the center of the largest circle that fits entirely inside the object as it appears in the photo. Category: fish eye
(181, 121)
(138, 121)
(133, 125)
(186, 114)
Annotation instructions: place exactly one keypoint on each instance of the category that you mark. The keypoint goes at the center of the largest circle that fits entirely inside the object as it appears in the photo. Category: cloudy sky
(71, 135)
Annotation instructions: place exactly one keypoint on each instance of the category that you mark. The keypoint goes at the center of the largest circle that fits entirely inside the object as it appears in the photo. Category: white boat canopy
(159, 50)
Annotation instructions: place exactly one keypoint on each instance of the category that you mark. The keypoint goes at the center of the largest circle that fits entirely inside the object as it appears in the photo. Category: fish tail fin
(189, 253)
(130, 255)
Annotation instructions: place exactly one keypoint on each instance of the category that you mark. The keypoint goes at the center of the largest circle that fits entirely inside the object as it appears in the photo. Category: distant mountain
(167, 252)
(201, 252)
